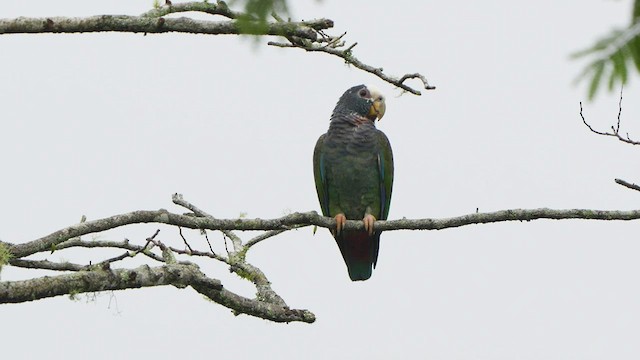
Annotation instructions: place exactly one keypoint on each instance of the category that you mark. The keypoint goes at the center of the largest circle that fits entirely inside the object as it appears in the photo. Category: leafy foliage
(258, 12)
(613, 53)
(262, 9)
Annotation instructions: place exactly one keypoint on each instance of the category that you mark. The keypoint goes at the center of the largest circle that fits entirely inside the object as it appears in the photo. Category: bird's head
(362, 100)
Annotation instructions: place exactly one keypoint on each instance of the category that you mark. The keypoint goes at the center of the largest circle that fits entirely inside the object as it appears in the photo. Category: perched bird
(353, 170)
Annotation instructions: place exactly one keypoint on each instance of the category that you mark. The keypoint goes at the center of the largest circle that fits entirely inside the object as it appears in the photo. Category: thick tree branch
(261, 309)
(102, 279)
(145, 24)
(178, 275)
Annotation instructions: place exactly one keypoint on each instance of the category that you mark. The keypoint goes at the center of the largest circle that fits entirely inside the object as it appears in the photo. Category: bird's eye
(364, 92)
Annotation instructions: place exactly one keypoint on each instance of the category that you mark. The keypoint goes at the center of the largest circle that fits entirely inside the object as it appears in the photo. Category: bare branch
(237, 258)
(206, 236)
(627, 184)
(305, 219)
(107, 262)
(77, 242)
(184, 240)
(267, 304)
(499, 216)
(347, 56)
(269, 234)
(262, 237)
(615, 130)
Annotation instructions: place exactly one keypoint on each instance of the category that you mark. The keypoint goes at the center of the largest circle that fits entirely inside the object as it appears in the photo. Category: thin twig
(178, 199)
(226, 248)
(589, 126)
(206, 236)
(619, 111)
(105, 263)
(263, 236)
(185, 240)
(136, 249)
(348, 57)
(200, 253)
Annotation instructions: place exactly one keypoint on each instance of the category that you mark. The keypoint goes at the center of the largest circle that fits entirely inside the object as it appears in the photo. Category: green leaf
(255, 21)
(611, 54)
(600, 45)
(634, 51)
(619, 70)
(262, 9)
(598, 69)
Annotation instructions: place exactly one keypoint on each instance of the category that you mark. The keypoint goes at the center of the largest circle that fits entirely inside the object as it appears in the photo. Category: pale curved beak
(378, 108)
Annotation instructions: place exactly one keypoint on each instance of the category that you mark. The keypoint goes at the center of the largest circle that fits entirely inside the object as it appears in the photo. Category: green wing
(320, 176)
(385, 171)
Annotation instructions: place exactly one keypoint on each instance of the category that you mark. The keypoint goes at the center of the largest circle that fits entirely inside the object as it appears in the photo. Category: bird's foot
(368, 223)
(341, 220)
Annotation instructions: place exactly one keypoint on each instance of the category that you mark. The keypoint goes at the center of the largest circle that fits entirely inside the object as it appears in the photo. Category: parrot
(353, 173)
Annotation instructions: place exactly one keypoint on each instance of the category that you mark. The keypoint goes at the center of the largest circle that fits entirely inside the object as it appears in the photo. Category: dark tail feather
(360, 253)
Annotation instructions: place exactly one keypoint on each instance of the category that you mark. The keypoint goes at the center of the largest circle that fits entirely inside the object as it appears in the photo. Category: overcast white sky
(100, 124)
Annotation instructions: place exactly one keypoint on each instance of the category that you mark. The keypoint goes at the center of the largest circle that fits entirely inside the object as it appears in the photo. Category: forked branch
(615, 129)
(175, 269)
(615, 132)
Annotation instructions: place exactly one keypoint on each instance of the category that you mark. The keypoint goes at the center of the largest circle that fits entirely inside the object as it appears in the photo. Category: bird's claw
(341, 221)
(368, 223)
